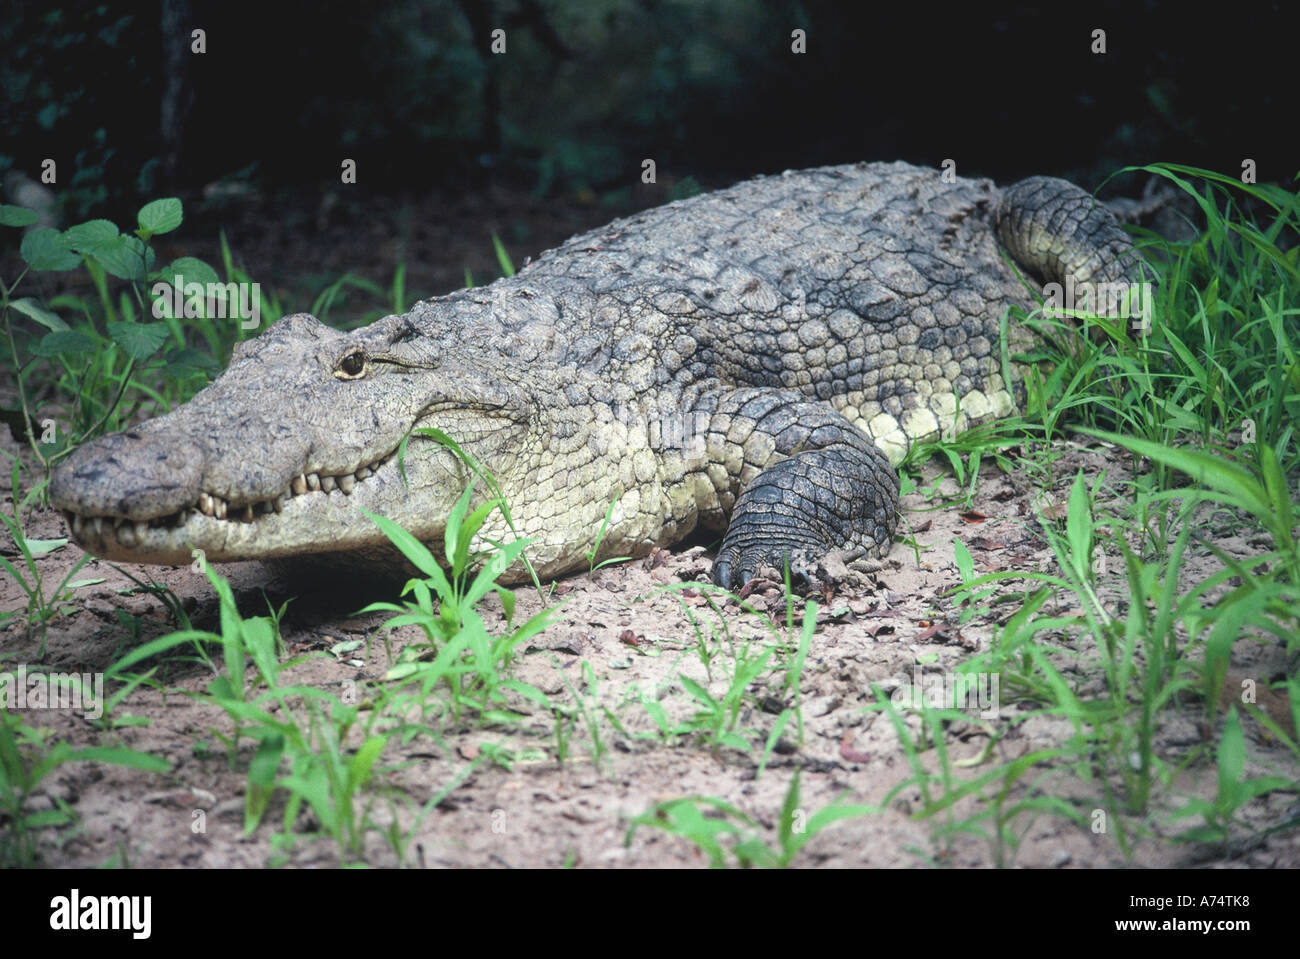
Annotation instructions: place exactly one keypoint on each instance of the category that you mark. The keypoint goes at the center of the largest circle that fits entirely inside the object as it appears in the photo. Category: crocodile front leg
(799, 480)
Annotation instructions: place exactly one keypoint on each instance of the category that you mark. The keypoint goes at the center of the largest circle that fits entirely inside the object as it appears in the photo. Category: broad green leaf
(47, 250)
(160, 216)
(493, 569)
(45, 819)
(126, 258)
(696, 690)
(64, 341)
(827, 815)
(190, 269)
(314, 787)
(965, 562)
(139, 340)
(90, 236)
(468, 530)
(262, 770)
(259, 640)
(359, 769)
(734, 741)
(402, 670)
(1078, 528)
(16, 215)
(507, 645)
(530, 692)
(1236, 486)
(162, 644)
(1279, 492)
(266, 761)
(452, 535)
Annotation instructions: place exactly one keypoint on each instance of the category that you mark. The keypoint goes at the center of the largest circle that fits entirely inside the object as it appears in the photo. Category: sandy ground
(621, 639)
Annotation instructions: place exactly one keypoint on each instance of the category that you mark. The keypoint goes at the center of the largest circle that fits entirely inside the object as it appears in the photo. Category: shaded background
(454, 143)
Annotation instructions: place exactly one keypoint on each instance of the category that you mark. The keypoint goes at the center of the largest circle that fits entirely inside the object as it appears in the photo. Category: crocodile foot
(839, 500)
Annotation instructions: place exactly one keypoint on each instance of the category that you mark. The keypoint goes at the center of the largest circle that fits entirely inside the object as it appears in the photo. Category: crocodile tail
(1061, 233)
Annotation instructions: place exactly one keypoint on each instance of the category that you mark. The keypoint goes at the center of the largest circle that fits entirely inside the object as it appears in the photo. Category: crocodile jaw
(315, 513)
(287, 524)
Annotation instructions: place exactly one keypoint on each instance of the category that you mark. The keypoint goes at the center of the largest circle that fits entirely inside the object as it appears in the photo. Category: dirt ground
(637, 642)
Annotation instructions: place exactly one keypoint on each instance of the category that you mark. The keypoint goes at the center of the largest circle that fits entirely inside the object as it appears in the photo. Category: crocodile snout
(133, 475)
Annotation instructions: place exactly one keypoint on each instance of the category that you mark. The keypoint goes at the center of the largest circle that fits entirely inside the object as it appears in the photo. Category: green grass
(28, 755)
(43, 604)
(1205, 401)
(717, 827)
(319, 750)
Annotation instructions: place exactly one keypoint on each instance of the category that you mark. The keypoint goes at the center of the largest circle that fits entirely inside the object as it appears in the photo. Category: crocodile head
(276, 455)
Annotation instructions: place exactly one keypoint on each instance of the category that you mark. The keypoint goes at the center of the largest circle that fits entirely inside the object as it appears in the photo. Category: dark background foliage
(709, 89)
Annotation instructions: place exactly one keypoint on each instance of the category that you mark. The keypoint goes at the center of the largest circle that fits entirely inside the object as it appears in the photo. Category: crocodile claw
(735, 567)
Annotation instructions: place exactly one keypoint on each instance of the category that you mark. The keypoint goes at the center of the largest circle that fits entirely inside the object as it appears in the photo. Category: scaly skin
(752, 360)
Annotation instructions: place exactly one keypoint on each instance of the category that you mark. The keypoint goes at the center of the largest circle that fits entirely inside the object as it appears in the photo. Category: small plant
(460, 653)
(504, 262)
(709, 822)
(161, 592)
(97, 367)
(27, 758)
(1005, 804)
(302, 728)
(716, 722)
(587, 709)
(792, 682)
(592, 553)
(41, 606)
(1233, 791)
(463, 656)
(966, 597)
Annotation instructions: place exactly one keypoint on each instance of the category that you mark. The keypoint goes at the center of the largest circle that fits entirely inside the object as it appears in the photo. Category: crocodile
(755, 361)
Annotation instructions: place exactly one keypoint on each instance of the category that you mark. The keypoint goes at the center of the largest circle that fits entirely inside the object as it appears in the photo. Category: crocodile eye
(352, 366)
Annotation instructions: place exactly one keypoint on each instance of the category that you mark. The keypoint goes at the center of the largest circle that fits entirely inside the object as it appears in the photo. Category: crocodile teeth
(131, 533)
